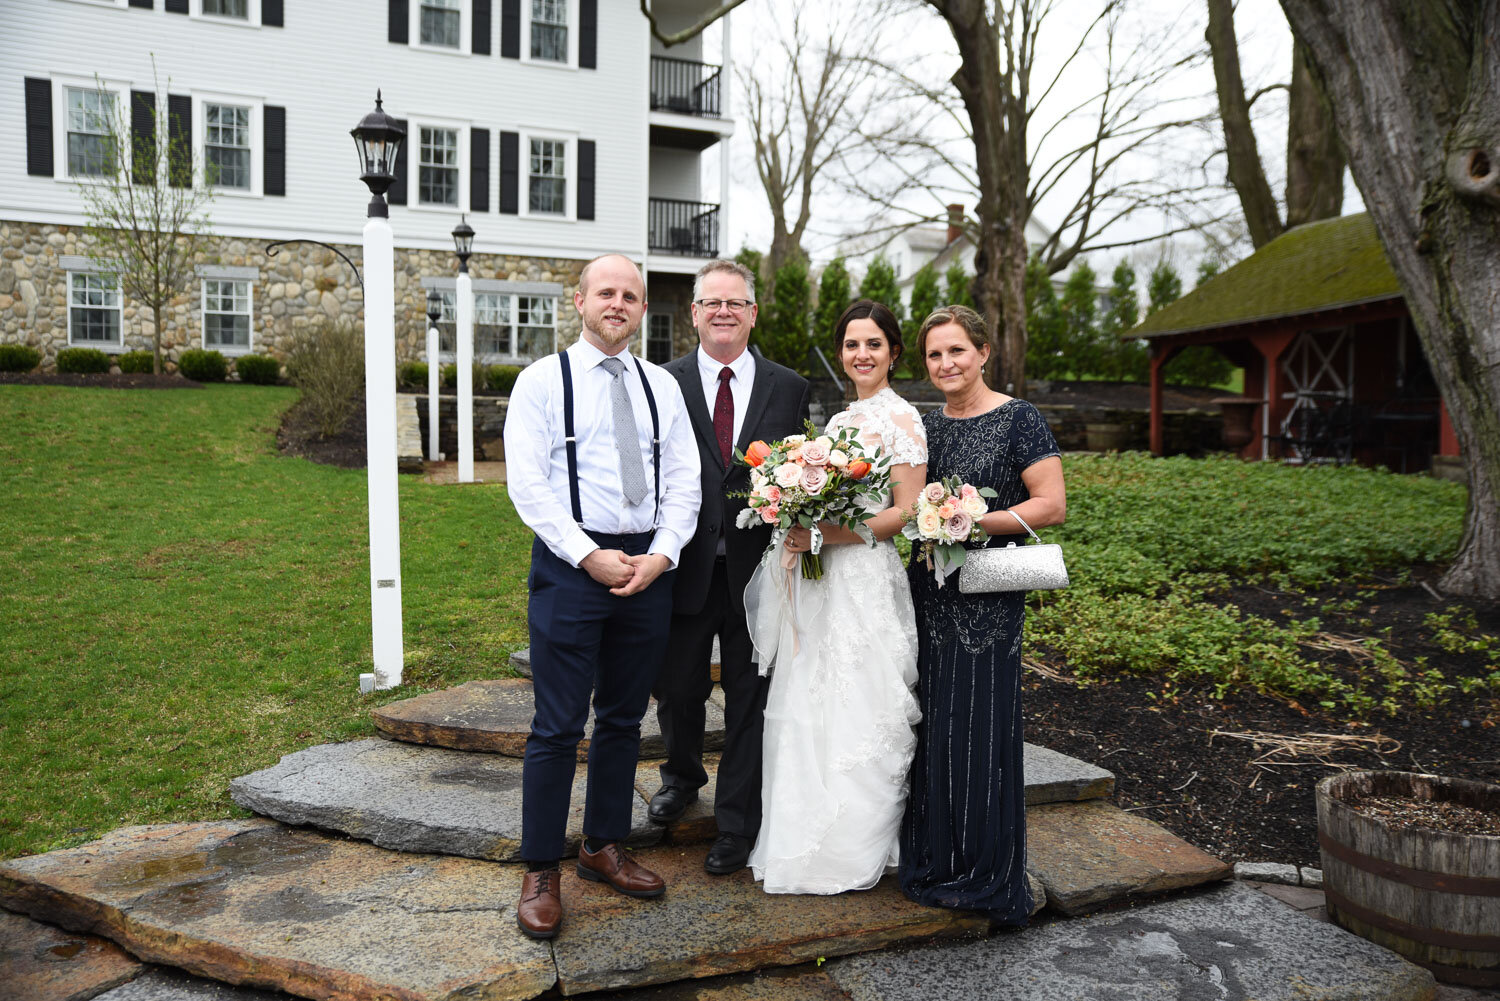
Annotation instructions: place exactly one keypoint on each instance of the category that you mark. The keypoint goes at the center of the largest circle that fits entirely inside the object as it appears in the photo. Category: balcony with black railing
(688, 229)
(685, 86)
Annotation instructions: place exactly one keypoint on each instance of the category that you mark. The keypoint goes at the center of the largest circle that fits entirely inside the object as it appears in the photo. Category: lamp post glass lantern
(463, 243)
(378, 138)
(463, 246)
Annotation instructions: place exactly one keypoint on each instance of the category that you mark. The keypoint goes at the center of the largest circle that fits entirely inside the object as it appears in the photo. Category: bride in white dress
(839, 736)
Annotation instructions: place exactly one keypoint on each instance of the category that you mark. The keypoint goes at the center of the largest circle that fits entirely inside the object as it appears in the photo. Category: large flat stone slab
(412, 798)
(41, 962)
(1054, 777)
(697, 824)
(495, 716)
(774, 984)
(521, 661)
(1092, 854)
(253, 903)
(1231, 943)
(706, 927)
(173, 985)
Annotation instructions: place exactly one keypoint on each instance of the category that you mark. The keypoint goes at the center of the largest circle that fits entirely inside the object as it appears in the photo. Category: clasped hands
(624, 575)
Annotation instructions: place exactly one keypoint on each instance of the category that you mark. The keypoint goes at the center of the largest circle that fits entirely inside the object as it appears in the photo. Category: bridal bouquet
(946, 516)
(808, 478)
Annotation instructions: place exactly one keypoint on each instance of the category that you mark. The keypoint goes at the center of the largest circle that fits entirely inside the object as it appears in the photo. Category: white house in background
(909, 249)
(559, 128)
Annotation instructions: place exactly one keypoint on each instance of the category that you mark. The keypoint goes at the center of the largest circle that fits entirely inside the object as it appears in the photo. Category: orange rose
(857, 470)
(757, 452)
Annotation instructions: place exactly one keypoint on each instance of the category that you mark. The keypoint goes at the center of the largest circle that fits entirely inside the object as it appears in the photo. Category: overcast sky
(1265, 53)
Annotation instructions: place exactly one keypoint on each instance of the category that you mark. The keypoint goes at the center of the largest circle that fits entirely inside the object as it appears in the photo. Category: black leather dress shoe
(729, 854)
(670, 803)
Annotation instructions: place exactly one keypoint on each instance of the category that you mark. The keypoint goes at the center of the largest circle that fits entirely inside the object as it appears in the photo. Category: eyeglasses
(735, 305)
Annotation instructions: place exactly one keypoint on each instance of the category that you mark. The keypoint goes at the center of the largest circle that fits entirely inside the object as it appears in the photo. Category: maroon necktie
(724, 416)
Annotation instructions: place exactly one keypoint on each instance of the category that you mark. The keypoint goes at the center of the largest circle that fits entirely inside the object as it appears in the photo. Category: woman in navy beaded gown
(963, 836)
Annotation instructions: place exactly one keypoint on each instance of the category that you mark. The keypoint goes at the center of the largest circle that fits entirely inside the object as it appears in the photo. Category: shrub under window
(136, 362)
(258, 370)
(82, 361)
(19, 358)
(203, 366)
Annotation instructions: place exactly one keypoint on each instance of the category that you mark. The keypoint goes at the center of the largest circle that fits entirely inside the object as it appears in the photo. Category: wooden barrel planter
(1432, 896)
(1108, 437)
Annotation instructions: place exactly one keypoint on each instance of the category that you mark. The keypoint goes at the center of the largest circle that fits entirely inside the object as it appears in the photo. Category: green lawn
(181, 605)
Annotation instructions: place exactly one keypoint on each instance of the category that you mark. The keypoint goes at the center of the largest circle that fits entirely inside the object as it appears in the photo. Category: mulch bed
(107, 380)
(299, 435)
(1209, 790)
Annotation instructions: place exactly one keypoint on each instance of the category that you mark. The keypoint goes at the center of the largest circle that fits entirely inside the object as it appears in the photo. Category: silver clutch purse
(1035, 567)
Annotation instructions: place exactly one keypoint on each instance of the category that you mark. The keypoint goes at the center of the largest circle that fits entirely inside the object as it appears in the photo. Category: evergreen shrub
(82, 361)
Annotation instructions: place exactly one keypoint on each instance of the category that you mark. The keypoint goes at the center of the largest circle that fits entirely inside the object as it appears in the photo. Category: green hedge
(19, 358)
(411, 377)
(503, 377)
(82, 361)
(257, 370)
(136, 362)
(203, 366)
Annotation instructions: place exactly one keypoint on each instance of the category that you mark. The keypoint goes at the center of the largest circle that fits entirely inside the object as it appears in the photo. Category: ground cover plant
(186, 604)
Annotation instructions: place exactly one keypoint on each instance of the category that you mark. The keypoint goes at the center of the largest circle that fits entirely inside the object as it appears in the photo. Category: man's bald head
(583, 276)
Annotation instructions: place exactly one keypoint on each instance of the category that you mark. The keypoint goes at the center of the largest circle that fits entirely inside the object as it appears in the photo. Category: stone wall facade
(302, 284)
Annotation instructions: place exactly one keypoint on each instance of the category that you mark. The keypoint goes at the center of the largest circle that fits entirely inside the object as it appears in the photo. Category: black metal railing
(684, 86)
(687, 228)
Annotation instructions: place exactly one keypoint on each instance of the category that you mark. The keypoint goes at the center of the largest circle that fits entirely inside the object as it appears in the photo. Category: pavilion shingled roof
(1318, 266)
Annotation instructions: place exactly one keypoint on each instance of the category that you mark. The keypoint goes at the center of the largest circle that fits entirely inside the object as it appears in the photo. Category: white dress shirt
(536, 458)
(739, 387)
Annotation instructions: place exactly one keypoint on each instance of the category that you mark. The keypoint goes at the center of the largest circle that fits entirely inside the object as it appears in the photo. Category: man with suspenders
(602, 465)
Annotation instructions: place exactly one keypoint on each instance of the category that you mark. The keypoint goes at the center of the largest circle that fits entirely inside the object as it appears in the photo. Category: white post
(433, 378)
(465, 378)
(380, 449)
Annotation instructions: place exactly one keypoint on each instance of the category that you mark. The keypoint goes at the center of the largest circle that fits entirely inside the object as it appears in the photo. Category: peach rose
(928, 523)
(934, 493)
(966, 491)
(769, 513)
(814, 479)
(787, 475)
(974, 506)
(946, 511)
(815, 452)
(772, 493)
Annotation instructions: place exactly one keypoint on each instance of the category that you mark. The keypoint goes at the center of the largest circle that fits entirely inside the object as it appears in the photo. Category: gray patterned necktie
(627, 438)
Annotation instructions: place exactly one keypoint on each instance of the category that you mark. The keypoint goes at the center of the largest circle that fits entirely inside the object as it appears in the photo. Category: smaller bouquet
(946, 516)
(807, 478)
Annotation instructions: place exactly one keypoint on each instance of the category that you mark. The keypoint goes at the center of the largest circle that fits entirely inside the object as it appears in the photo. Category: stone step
(412, 798)
(1092, 854)
(495, 716)
(521, 661)
(257, 904)
(160, 984)
(1230, 942)
(40, 962)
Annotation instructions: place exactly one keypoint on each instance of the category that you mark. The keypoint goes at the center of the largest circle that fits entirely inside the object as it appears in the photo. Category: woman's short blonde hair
(971, 323)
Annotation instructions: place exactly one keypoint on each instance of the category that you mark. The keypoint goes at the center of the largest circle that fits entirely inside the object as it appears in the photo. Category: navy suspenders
(571, 440)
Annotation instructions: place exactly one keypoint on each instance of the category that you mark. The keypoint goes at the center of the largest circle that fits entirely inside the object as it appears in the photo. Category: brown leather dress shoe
(611, 864)
(540, 911)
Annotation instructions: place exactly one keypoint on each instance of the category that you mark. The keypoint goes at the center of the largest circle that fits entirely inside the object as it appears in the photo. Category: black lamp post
(378, 139)
(434, 307)
(463, 243)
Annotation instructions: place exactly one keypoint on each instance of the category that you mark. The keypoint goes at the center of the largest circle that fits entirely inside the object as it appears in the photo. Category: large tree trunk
(1314, 161)
(1415, 90)
(1245, 172)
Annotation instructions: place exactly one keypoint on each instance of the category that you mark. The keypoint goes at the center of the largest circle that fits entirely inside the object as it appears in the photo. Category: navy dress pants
(587, 642)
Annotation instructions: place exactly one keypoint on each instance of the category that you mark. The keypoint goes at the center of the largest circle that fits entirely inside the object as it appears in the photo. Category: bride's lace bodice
(888, 425)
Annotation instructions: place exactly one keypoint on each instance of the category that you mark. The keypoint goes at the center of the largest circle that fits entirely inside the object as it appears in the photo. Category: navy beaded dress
(963, 837)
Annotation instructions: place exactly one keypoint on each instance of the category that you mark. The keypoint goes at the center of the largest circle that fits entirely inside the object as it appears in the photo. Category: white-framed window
(547, 176)
(93, 309)
(536, 326)
(507, 326)
(440, 25)
(227, 318)
(438, 166)
(549, 31)
(227, 145)
(659, 338)
(243, 12)
(89, 119)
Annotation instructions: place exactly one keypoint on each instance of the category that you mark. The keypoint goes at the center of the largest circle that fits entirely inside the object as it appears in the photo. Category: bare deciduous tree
(1415, 90)
(147, 209)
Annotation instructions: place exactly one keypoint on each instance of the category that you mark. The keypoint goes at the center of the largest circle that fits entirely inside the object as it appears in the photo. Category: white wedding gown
(839, 716)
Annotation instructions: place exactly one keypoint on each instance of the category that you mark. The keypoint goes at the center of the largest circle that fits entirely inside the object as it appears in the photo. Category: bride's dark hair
(880, 313)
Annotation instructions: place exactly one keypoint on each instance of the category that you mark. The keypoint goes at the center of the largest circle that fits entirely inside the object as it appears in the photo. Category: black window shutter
(510, 172)
(479, 170)
(179, 140)
(397, 194)
(38, 127)
(585, 178)
(275, 135)
(144, 4)
(271, 13)
(176, 6)
(588, 34)
(396, 22)
(510, 30)
(481, 27)
(143, 136)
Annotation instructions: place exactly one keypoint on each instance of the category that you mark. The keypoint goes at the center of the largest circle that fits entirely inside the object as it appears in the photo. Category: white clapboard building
(558, 128)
